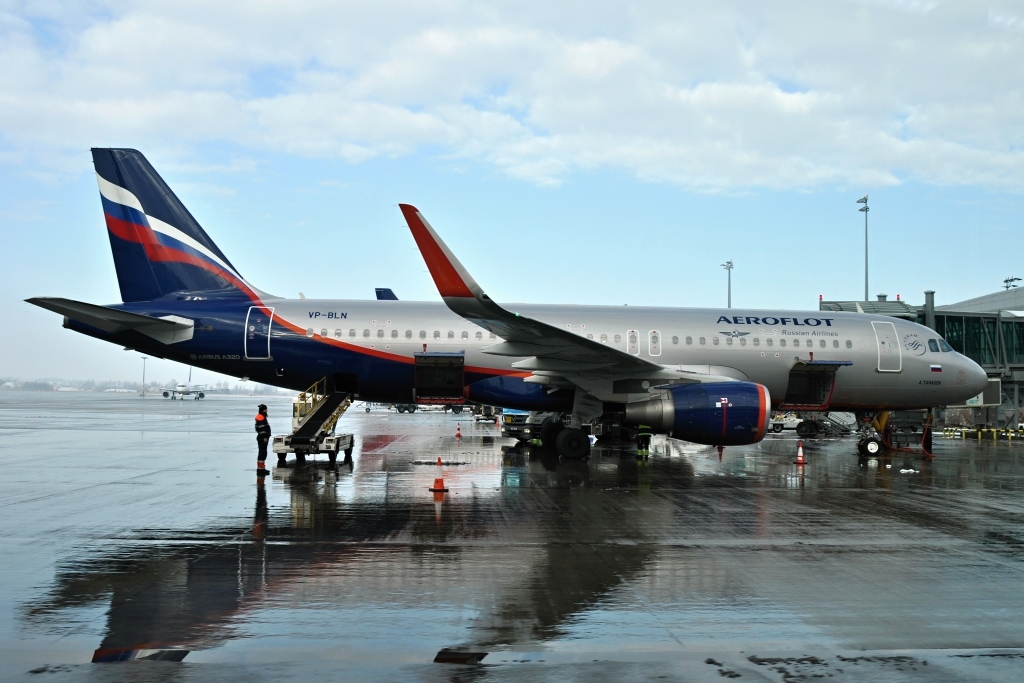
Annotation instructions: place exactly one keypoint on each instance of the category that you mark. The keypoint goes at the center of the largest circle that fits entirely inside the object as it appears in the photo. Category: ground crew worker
(262, 439)
(643, 441)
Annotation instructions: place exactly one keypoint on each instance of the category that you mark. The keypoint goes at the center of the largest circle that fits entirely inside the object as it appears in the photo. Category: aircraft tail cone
(799, 454)
(458, 431)
(438, 486)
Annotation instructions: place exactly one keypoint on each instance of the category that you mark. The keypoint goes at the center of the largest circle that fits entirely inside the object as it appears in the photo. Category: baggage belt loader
(315, 415)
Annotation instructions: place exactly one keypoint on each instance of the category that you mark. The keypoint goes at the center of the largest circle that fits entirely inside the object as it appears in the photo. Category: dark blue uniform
(262, 433)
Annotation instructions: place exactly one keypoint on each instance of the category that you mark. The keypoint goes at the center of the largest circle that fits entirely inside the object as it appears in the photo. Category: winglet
(450, 277)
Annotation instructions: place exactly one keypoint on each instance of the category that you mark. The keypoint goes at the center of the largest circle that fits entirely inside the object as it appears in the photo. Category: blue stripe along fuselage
(298, 361)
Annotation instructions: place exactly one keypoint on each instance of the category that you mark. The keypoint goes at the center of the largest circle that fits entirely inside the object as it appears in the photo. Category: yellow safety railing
(332, 421)
(310, 399)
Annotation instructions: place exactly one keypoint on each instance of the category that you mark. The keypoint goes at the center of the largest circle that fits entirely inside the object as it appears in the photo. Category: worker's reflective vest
(643, 430)
(262, 425)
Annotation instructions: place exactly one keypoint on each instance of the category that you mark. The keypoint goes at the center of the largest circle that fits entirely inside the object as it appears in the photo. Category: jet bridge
(315, 415)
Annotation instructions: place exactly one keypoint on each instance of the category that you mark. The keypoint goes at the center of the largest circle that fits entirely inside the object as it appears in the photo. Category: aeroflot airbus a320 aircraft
(710, 376)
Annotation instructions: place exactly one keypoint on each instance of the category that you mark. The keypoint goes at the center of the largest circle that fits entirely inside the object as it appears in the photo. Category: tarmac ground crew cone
(439, 486)
(458, 430)
(800, 454)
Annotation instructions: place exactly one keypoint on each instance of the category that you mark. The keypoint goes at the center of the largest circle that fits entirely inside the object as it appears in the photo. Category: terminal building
(988, 329)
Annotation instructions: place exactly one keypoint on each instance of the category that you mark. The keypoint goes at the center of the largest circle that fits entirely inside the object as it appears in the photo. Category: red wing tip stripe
(446, 275)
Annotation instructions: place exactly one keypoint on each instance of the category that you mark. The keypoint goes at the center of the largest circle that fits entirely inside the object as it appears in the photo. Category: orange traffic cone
(799, 453)
(439, 486)
(458, 430)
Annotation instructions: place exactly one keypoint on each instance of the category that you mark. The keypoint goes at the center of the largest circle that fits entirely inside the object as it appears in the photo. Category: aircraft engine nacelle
(716, 414)
(167, 394)
(201, 395)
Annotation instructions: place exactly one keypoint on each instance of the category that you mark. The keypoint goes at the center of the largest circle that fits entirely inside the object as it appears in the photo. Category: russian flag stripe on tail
(159, 248)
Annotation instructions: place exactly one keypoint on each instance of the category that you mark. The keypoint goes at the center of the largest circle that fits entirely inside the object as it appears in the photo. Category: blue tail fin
(159, 248)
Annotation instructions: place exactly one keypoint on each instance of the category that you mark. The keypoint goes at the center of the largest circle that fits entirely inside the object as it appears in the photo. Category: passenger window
(743, 341)
(768, 341)
(437, 334)
(633, 342)
(702, 341)
(479, 336)
(604, 338)
(590, 336)
(323, 332)
(689, 341)
(618, 339)
(352, 333)
(714, 340)
(821, 343)
(933, 346)
(835, 343)
(782, 342)
(366, 333)
(492, 337)
(451, 335)
(337, 333)
(728, 340)
(394, 334)
(654, 343)
(423, 334)
(675, 340)
(757, 342)
(408, 334)
(380, 334)
(849, 344)
(465, 336)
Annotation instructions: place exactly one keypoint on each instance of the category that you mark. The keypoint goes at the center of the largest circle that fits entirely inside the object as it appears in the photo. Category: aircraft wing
(168, 329)
(550, 350)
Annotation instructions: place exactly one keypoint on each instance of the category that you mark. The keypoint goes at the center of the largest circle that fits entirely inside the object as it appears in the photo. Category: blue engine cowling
(716, 414)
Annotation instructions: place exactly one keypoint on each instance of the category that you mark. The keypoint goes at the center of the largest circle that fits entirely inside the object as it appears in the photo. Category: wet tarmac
(136, 529)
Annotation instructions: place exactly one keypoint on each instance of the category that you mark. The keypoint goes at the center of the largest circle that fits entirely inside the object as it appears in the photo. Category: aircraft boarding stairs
(315, 415)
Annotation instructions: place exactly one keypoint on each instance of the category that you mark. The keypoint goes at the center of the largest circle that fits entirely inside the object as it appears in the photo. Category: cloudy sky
(591, 152)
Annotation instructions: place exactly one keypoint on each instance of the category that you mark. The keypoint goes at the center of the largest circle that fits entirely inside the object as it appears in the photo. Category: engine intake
(716, 414)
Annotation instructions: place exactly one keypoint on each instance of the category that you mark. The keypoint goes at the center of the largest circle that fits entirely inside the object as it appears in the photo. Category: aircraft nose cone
(977, 380)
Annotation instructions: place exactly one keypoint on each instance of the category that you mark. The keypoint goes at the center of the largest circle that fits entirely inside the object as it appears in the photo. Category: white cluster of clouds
(713, 96)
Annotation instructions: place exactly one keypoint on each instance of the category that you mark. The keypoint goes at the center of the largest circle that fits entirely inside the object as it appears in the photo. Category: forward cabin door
(890, 358)
(257, 333)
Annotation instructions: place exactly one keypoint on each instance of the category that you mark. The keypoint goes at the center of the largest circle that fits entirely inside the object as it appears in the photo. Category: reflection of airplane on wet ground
(165, 601)
(709, 376)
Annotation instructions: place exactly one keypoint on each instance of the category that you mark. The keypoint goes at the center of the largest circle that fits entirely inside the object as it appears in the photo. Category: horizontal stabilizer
(169, 329)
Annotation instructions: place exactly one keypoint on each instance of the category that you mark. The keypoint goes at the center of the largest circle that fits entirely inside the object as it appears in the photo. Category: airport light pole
(864, 200)
(728, 269)
(144, 375)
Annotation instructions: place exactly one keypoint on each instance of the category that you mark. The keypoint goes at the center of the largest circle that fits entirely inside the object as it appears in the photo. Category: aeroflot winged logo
(734, 333)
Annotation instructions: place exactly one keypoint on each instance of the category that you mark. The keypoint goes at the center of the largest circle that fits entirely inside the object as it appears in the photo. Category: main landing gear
(571, 443)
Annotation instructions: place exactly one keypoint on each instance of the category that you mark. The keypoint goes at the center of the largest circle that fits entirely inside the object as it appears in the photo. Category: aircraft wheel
(457, 410)
(777, 428)
(367, 408)
(401, 409)
(550, 429)
(870, 446)
(412, 409)
(573, 443)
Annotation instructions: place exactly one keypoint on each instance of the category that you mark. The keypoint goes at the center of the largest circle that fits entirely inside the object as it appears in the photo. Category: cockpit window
(944, 346)
(933, 345)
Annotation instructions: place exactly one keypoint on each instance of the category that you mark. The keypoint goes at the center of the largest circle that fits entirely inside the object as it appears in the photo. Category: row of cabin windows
(352, 333)
(632, 338)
